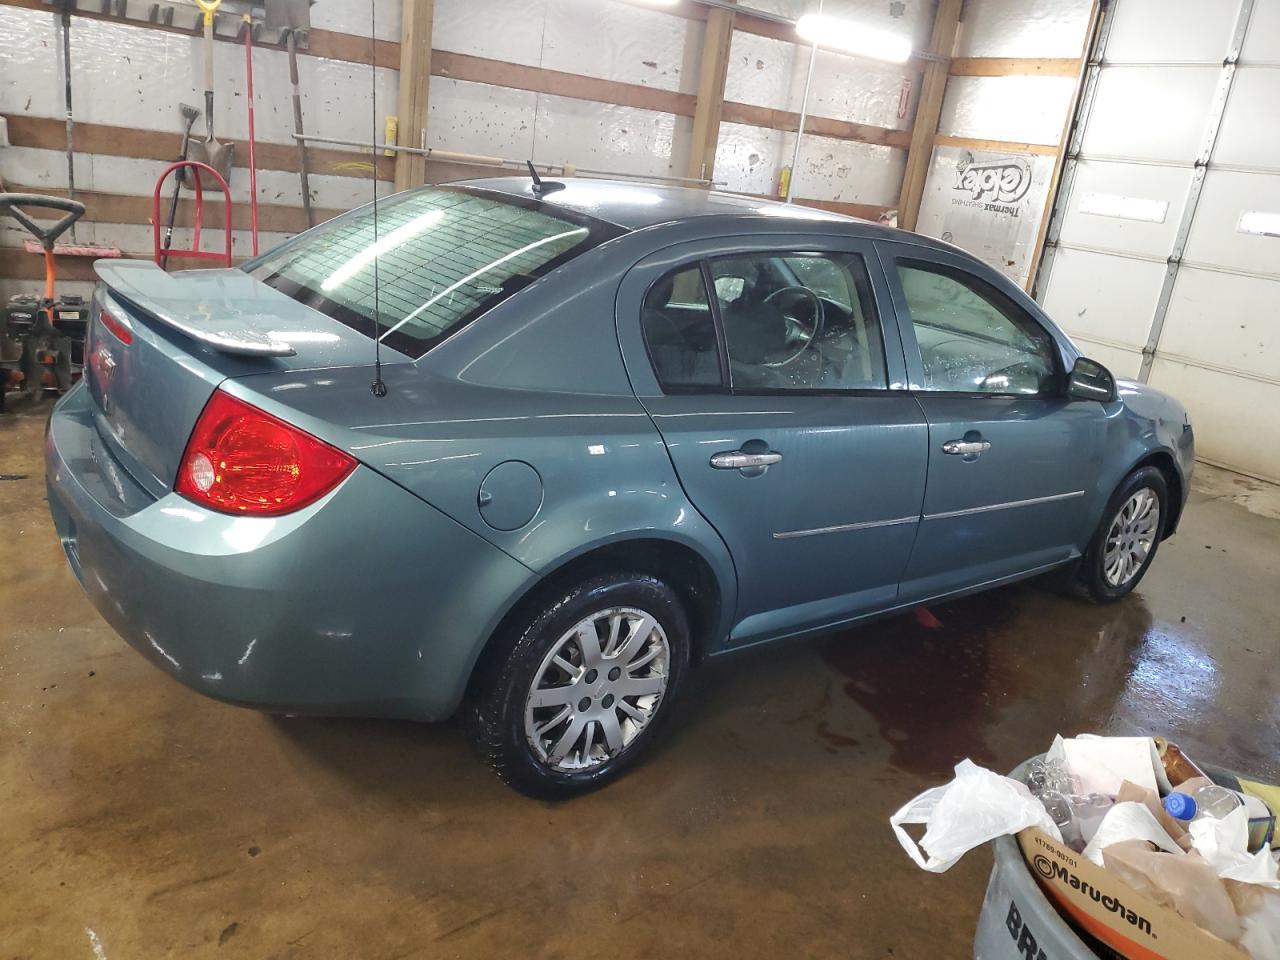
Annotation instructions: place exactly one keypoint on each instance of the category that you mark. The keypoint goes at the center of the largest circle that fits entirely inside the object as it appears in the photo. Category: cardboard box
(1114, 912)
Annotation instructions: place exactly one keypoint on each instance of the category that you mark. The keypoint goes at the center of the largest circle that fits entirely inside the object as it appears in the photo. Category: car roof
(636, 205)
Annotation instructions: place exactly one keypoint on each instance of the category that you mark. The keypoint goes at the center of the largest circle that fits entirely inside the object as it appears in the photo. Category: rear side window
(681, 333)
(444, 256)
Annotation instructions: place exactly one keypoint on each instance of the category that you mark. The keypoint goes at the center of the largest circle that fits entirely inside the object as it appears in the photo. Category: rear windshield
(444, 256)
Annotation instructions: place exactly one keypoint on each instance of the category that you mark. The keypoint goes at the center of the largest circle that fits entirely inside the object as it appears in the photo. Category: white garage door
(1166, 265)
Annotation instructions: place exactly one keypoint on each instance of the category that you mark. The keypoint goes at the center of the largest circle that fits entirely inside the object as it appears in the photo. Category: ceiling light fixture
(845, 36)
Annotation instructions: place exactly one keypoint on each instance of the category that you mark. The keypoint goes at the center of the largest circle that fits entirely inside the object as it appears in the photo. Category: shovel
(209, 150)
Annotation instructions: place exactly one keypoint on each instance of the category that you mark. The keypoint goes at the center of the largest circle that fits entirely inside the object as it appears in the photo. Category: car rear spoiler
(220, 312)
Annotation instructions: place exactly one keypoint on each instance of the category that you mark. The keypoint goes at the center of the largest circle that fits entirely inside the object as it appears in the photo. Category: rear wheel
(570, 701)
(1128, 536)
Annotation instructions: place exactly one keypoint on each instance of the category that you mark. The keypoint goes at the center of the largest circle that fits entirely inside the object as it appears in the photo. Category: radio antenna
(377, 388)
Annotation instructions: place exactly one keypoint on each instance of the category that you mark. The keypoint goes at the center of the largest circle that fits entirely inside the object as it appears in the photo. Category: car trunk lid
(170, 339)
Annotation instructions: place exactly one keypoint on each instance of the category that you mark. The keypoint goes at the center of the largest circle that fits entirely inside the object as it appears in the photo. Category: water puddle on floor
(982, 676)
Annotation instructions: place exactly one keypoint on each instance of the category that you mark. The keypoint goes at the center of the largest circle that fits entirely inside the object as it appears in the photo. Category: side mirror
(1090, 380)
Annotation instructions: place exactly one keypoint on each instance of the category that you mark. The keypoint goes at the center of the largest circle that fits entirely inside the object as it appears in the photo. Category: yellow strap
(210, 7)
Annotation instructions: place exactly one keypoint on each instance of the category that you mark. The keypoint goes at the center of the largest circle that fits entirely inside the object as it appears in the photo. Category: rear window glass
(444, 256)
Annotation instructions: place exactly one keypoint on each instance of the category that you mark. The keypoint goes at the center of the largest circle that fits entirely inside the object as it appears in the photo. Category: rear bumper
(368, 602)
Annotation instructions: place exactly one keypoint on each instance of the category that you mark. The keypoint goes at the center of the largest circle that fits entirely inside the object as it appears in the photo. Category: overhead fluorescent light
(834, 33)
(1261, 222)
(1124, 208)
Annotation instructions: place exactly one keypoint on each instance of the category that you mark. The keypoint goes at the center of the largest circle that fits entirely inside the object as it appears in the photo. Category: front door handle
(740, 460)
(966, 448)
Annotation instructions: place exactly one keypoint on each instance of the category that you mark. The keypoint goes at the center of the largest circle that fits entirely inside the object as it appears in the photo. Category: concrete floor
(138, 819)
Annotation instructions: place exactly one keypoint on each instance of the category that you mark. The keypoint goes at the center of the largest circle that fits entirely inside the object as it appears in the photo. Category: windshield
(444, 256)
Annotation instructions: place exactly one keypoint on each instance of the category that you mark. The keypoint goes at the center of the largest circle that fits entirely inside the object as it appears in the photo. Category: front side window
(973, 339)
(443, 256)
(803, 321)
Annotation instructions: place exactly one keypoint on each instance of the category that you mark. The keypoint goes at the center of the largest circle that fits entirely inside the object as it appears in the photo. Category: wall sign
(990, 204)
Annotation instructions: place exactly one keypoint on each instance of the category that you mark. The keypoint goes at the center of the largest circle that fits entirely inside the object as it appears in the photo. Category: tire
(1099, 575)
(532, 747)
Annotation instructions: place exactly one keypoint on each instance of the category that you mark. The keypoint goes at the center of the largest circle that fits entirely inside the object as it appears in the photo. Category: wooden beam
(934, 86)
(518, 76)
(1014, 67)
(712, 72)
(819, 126)
(415, 72)
(46, 133)
(136, 210)
(997, 146)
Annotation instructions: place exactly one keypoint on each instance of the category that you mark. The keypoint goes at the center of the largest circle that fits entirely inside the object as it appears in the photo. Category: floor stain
(929, 680)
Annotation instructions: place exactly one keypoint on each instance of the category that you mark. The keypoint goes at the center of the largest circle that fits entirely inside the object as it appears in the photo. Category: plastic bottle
(1210, 801)
(1214, 802)
(1077, 817)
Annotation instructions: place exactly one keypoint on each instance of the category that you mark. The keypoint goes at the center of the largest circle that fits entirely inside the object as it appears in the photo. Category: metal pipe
(66, 69)
(480, 160)
(253, 150)
(804, 114)
(291, 43)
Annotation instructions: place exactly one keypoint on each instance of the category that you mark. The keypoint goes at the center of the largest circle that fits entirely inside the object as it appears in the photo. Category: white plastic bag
(1225, 844)
(1129, 821)
(974, 808)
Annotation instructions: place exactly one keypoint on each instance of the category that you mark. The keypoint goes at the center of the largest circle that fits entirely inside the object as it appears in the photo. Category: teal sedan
(530, 451)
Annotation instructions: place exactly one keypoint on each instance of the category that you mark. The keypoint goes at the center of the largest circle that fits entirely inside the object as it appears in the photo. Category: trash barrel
(1017, 921)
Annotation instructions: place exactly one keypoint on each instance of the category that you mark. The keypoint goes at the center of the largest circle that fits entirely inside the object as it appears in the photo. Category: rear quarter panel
(538, 380)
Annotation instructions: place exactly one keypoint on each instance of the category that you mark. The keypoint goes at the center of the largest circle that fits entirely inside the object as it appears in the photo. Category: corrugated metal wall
(1213, 338)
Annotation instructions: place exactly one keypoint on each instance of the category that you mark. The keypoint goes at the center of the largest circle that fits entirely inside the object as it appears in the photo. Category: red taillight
(242, 460)
(117, 328)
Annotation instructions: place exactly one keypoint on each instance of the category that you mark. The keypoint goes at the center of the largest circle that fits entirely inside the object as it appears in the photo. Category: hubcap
(1132, 535)
(597, 689)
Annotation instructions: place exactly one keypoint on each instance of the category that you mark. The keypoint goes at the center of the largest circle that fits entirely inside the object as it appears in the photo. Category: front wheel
(1128, 536)
(570, 701)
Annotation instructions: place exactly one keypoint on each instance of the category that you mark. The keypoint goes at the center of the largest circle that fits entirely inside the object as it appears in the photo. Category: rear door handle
(738, 460)
(966, 448)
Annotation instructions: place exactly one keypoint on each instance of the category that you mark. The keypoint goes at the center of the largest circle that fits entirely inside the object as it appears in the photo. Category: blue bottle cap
(1180, 806)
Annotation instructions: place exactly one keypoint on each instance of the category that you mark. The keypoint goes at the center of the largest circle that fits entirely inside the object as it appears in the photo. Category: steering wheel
(73, 209)
(795, 327)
